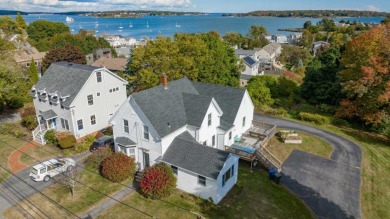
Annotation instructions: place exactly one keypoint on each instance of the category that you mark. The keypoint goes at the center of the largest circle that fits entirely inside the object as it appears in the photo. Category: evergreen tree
(19, 19)
(32, 72)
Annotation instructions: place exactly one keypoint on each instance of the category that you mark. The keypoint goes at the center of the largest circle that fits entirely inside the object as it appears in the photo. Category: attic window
(98, 76)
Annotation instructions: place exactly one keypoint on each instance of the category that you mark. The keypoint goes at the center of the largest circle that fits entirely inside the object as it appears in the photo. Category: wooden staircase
(268, 160)
(138, 176)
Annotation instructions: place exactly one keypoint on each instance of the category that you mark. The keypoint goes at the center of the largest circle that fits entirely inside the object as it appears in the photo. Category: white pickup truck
(50, 168)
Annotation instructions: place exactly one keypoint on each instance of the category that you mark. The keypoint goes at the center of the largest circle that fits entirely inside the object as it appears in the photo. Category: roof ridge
(217, 85)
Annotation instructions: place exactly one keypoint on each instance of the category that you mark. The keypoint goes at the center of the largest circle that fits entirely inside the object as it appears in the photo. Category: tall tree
(233, 39)
(321, 84)
(32, 72)
(41, 31)
(19, 19)
(68, 53)
(366, 77)
(200, 57)
(259, 92)
(256, 37)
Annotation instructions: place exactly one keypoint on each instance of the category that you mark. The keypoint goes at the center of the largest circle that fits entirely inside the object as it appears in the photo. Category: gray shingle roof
(228, 98)
(225, 126)
(184, 152)
(49, 114)
(65, 78)
(186, 103)
(196, 107)
(246, 77)
(245, 52)
(124, 141)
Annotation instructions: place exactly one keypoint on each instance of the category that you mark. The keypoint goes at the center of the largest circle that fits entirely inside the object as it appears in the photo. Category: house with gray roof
(76, 98)
(187, 125)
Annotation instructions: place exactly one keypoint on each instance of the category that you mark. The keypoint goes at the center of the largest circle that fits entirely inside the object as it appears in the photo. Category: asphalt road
(20, 186)
(330, 187)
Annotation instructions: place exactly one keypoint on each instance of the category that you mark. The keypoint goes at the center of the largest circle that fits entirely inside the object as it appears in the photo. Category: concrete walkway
(108, 202)
(14, 158)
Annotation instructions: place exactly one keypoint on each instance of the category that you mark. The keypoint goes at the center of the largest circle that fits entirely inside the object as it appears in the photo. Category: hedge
(158, 181)
(95, 160)
(118, 167)
(67, 141)
(314, 118)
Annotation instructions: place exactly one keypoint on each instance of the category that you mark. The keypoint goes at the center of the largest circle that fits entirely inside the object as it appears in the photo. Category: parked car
(50, 168)
(102, 142)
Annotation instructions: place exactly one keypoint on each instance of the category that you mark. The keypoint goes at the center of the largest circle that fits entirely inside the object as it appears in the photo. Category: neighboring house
(279, 39)
(76, 98)
(186, 125)
(242, 53)
(112, 64)
(251, 66)
(97, 54)
(245, 78)
(317, 45)
(26, 53)
(123, 52)
(270, 52)
(117, 41)
(294, 38)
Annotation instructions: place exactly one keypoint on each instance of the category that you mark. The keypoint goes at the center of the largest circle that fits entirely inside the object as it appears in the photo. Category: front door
(54, 122)
(146, 160)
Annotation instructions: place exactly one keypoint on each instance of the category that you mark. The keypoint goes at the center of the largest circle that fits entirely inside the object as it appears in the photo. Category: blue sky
(192, 5)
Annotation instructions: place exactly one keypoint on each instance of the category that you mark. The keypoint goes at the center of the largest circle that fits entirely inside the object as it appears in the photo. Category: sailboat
(147, 24)
(131, 25)
(120, 27)
(69, 20)
(177, 25)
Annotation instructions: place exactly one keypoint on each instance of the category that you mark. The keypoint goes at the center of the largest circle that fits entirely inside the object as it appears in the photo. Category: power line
(130, 187)
(22, 196)
(104, 194)
(54, 202)
(16, 203)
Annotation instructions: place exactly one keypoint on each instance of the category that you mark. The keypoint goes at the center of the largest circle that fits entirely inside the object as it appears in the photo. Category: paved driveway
(330, 187)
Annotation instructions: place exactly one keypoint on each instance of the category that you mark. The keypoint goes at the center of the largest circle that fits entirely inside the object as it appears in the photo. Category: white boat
(177, 25)
(131, 25)
(69, 20)
(120, 26)
(147, 24)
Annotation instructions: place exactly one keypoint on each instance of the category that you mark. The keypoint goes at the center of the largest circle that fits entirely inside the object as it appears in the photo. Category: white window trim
(146, 139)
(90, 117)
(77, 124)
(91, 99)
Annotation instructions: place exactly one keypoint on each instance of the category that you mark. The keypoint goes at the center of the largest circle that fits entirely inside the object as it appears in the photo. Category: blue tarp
(249, 150)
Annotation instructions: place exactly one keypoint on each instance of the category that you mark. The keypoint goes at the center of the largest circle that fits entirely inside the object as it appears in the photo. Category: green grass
(5, 150)
(40, 153)
(254, 196)
(310, 144)
(375, 181)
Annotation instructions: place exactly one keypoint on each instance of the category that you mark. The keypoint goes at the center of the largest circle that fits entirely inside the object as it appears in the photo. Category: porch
(47, 120)
(251, 146)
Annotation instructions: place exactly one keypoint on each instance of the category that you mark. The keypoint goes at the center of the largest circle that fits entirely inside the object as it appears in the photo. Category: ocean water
(152, 26)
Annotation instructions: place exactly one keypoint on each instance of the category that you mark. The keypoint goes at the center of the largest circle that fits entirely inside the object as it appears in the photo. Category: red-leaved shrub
(118, 167)
(158, 181)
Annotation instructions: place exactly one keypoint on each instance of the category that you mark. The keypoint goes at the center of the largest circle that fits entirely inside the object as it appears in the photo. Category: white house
(251, 66)
(76, 98)
(186, 125)
(270, 52)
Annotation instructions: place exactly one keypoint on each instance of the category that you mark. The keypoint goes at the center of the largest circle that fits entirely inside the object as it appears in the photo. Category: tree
(321, 84)
(365, 78)
(233, 39)
(68, 53)
(158, 181)
(9, 26)
(41, 31)
(200, 57)
(292, 54)
(32, 72)
(71, 179)
(386, 20)
(259, 92)
(19, 19)
(307, 25)
(256, 37)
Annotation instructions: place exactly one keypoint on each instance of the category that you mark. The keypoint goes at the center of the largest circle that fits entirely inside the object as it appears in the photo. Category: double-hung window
(174, 170)
(202, 180)
(80, 125)
(98, 76)
(146, 132)
(209, 119)
(213, 141)
(126, 125)
(90, 100)
(93, 120)
(243, 121)
(64, 124)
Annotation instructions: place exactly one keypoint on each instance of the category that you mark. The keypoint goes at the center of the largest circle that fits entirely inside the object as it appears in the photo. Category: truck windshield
(34, 171)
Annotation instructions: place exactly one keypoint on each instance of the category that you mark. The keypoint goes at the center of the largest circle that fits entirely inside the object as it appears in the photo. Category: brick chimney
(164, 80)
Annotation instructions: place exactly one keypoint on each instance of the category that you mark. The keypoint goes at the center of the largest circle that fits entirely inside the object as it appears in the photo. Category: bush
(158, 181)
(12, 129)
(30, 122)
(84, 145)
(118, 167)
(50, 137)
(340, 122)
(95, 160)
(67, 141)
(314, 118)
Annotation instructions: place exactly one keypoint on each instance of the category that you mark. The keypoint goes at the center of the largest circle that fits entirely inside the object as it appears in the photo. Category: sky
(192, 5)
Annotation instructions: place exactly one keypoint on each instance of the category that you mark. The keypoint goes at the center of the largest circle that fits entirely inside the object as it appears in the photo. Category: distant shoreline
(309, 14)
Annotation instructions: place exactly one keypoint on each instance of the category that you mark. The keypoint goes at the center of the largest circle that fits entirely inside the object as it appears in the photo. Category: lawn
(375, 189)
(5, 150)
(40, 153)
(254, 196)
(83, 201)
(310, 144)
